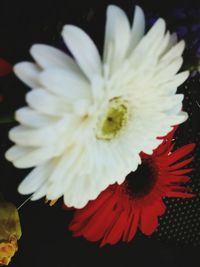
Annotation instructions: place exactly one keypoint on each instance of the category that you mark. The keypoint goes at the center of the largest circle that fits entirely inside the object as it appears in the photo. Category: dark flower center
(141, 182)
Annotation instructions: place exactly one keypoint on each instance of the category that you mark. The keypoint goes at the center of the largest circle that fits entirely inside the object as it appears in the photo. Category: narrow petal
(174, 52)
(181, 172)
(174, 179)
(41, 192)
(83, 49)
(167, 72)
(100, 222)
(149, 44)
(171, 85)
(16, 152)
(31, 118)
(33, 137)
(65, 172)
(173, 40)
(149, 220)
(26, 157)
(179, 194)
(133, 226)
(50, 57)
(117, 36)
(138, 28)
(180, 164)
(47, 103)
(28, 73)
(34, 157)
(66, 84)
(93, 206)
(34, 179)
(160, 207)
(180, 153)
(179, 188)
(117, 229)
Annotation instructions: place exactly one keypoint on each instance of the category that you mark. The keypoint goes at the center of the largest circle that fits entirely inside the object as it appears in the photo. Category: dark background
(46, 240)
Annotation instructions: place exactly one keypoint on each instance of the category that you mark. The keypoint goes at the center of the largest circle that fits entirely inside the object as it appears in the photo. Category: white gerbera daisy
(88, 119)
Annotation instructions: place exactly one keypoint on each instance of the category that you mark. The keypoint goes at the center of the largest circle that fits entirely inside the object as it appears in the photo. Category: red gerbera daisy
(121, 209)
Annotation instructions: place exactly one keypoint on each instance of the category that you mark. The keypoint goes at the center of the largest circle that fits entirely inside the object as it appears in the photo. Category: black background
(46, 240)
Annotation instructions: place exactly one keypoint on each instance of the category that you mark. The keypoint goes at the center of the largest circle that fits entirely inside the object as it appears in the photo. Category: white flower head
(88, 119)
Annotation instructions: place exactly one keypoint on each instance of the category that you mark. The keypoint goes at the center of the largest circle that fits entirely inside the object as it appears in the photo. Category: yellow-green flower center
(114, 119)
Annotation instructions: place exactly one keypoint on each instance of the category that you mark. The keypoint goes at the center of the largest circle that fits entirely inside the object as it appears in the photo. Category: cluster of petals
(59, 128)
(117, 213)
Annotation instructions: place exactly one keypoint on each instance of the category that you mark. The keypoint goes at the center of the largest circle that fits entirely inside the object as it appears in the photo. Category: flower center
(141, 182)
(113, 120)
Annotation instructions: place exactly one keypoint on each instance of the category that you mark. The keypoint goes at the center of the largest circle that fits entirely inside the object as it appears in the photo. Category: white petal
(173, 40)
(117, 36)
(55, 190)
(174, 52)
(65, 173)
(28, 73)
(81, 107)
(34, 157)
(172, 101)
(83, 49)
(171, 86)
(50, 57)
(168, 71)
(149, 45)
(27, 157)
(73, 197)
(176, 119)
(47, 103)
(65, 84)
(163, 44)
(81, 182)
(33, 137)
(154, 143)
(97, 88)
(16, 152)
(35, 179)
(31, 118)
(41, 192)
(183, 116)
(138, 28)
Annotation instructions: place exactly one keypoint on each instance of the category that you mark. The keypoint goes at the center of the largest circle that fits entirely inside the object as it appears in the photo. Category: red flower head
(5, 67)
(121, 209)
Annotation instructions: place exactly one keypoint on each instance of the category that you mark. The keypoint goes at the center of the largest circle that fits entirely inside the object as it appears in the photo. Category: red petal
(94, 205)
(180, 164)
(178, 179)
(131, 213)
(94, 227)
(180, 172)
(170, 135)
(180, 188)
(166, 146)
(149, 220)
(164, 149)
(160, 208)
(179, 194)
(133, 226)
(5, 67)
(115, 233)
(180, 153)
